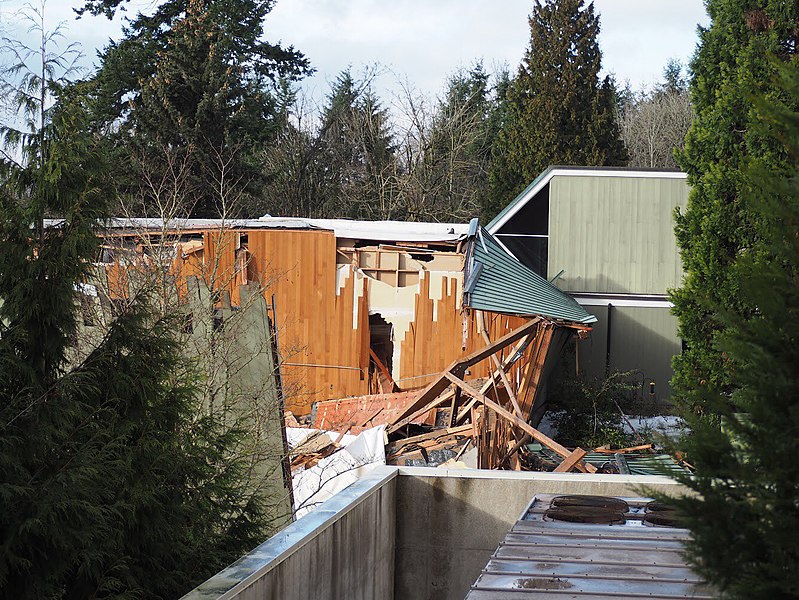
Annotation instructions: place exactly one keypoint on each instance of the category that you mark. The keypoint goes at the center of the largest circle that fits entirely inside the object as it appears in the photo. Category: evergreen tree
(744, 519)
(357, 152)
(196, 75)
(112, 483)
(559, 112)
(733, 63)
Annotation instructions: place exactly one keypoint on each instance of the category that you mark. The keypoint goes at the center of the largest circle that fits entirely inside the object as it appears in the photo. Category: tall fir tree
(198, 77)
(357, 151)
(735, 61)
(559, 111)
(112, 483)
(744, 520)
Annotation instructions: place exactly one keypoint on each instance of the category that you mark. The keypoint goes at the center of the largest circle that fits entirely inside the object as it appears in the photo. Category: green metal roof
(630, 463)
(498, 282)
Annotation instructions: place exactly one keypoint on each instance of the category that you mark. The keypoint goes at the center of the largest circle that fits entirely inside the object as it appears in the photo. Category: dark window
(532, 218)
(531, 251)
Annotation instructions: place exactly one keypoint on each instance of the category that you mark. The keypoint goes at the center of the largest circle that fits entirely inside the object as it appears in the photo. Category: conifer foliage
(744, 521)
(736, 61)
(197, 77)
(559, 111)
(112, 484)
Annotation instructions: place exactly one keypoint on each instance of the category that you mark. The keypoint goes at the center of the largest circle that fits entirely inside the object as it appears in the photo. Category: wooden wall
(323, 332)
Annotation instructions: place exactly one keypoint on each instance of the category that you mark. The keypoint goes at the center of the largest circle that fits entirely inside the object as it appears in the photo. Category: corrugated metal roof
(630, 463)
(497, 282)
(544, 558)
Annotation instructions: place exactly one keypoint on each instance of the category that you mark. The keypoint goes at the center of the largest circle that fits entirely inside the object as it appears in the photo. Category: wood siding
(322, 311)
(615, 234)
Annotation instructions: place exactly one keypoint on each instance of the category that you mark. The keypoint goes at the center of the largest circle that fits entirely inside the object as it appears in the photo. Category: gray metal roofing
(404, 231)
(497, 282)
(540, 558)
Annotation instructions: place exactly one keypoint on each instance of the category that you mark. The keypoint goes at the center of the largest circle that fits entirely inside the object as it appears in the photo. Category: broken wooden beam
(641, 448)
(570, 462)
(458, 367)
(520, 423)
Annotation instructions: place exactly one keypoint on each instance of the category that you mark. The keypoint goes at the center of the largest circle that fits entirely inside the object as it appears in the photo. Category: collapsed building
(361, 308)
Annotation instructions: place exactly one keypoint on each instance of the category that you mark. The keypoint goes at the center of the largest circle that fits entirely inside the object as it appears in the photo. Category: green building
(606, 236)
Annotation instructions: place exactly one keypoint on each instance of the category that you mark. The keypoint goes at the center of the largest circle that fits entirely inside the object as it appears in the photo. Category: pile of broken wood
(485, 419)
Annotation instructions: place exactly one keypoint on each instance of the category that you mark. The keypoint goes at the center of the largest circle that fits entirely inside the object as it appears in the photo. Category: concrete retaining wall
(450, 521)
(344, 549)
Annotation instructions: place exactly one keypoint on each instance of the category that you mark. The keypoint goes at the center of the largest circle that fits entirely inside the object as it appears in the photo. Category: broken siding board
(316, 324)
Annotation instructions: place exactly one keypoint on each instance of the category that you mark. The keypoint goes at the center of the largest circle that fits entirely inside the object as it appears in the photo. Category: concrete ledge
(233, 581)
(595, 478)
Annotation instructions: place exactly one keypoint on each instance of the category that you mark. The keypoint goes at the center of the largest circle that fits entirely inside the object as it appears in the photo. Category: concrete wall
(411, 533)
(449, 522)
(344, 549)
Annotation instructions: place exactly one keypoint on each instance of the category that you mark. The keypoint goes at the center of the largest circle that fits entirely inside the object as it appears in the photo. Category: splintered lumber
(570, 462)
(433, 440)
(520, 423)
(509, 360)
(605, 450)
(383, 369)
(441, 383)
(499, 369)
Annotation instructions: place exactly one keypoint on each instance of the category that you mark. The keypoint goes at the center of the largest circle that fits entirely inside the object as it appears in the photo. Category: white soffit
(641, 302)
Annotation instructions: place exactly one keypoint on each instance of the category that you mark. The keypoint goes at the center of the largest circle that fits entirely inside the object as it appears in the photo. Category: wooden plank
(570, 462)
(640, 448)
(488, 384)
(498, 367)
(431, 435)
(381, 366)
(523, 425)
(513, 457)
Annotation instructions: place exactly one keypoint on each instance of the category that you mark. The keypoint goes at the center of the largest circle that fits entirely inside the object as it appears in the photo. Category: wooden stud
(571, 461)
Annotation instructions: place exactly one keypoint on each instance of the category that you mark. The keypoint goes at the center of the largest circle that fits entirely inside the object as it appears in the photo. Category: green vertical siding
(642, 339)
(615, 234)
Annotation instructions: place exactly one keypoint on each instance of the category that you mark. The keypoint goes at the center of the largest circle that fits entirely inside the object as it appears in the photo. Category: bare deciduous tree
(654, 125)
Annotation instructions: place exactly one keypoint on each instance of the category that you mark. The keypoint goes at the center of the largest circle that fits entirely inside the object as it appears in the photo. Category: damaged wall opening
(381, 351)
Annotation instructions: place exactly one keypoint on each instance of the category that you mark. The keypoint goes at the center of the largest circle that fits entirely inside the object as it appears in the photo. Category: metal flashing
(498, 282)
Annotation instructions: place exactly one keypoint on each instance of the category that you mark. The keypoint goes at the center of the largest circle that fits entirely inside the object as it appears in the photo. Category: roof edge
(545, 177)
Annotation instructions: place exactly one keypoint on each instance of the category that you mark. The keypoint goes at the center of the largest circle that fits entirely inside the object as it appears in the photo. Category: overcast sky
(423, 41)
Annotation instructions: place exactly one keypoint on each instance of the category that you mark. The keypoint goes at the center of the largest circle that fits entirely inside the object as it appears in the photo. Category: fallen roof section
(498, 282)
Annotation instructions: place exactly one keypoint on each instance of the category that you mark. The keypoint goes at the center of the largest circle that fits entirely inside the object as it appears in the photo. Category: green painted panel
(615, 234)
(642, 339)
